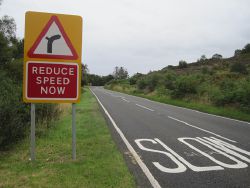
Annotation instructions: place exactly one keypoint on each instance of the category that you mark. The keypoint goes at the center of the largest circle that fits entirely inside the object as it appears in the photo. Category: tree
(5, 50)
(7, 33)
(107, 78)
(203, 58)
(8, 27)
(85, 71)
(246, 49)
(237, 52)
(120, 73)
(17, 48)
(217, 56)
(183, 64)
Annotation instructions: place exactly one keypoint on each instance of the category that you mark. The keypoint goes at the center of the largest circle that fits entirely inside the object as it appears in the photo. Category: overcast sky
(144, 35)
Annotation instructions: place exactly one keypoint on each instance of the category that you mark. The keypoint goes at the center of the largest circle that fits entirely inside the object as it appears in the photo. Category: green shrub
(227, 92)
(152, 82)
(185, 85)
(169, 80)
(239, 68)
(133, 80)
(242, 94)
(216, 96)
(141, 84)
(14, 115)
(231, 92)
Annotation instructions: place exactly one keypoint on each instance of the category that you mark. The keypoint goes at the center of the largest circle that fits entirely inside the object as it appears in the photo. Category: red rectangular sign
(52, 81)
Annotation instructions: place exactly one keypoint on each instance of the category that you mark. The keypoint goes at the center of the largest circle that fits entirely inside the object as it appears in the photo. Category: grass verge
(221, 111)
(98, 164)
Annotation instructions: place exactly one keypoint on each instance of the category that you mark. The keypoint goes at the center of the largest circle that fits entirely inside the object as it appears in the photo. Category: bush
(185, 85)
(216, 96)
(152, 82)
(133, 80)
(246, 49)
(239, 68)
(183, 64)
(169, 81)
(141, 84)
(14, 113)
(206, 70)
(242, 94)
(232, 92)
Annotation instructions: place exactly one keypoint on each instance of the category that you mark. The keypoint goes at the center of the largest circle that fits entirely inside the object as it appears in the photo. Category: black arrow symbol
(50, 42)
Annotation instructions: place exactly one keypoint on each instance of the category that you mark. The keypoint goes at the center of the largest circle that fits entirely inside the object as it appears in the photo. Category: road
(178, 147)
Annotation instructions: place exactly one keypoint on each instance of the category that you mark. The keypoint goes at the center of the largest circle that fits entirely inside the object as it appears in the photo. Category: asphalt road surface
(178, 147)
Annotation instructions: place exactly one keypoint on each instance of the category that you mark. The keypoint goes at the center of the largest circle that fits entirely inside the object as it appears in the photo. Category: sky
(147, 35)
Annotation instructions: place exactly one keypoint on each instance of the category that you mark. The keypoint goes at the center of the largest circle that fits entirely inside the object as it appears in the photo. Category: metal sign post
(73, 131)
(33, 132)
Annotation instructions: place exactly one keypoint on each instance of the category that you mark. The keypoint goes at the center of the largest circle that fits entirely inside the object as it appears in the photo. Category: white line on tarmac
(144, 107)
(144, 168)
(125, 100)
(118, 96)
(201, 129)
(218, 116)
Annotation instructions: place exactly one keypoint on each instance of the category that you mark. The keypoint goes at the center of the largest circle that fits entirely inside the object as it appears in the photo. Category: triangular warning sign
(53, 43)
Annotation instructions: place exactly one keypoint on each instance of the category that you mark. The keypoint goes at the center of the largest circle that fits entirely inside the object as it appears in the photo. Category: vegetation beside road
(98, 164)
(217, 85)
(14, 114)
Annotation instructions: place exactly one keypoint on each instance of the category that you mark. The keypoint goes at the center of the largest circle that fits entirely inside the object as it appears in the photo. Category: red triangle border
(74, 55)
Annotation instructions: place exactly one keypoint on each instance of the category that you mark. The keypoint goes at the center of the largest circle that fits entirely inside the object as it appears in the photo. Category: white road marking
(180, 167)
(191, 166)
(144, 107)
(116, 96)
(202, 129)
(214, 144)
(228, 148)
(220, 116)
(187, 109)
(239, 164)
(144, 168)
(125, 100)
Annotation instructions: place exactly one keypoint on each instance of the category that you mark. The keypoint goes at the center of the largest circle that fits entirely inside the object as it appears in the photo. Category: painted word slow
(238, 157)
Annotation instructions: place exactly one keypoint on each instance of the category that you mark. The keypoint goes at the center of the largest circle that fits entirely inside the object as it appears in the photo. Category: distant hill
(217, 81)
(212, 63)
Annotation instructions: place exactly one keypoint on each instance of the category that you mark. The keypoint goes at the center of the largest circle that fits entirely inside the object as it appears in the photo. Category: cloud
(144, 35)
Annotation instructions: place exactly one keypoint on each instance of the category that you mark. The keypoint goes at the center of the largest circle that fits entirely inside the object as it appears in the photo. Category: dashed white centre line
(125, 100)
(145, 107)
(201, 129)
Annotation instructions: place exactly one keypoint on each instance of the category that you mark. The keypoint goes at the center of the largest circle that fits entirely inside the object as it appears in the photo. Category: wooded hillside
(217, 81)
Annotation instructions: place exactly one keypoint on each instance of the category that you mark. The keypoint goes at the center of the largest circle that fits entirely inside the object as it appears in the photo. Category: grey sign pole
(32, 132)
(73, 131)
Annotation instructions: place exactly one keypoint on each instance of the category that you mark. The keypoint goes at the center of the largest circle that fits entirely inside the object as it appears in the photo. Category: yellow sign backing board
(52, 58)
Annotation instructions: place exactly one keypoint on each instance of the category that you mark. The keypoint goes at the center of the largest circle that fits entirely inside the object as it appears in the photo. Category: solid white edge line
(144, 107)
(144, 168)
(201, 129)
(241, 121)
